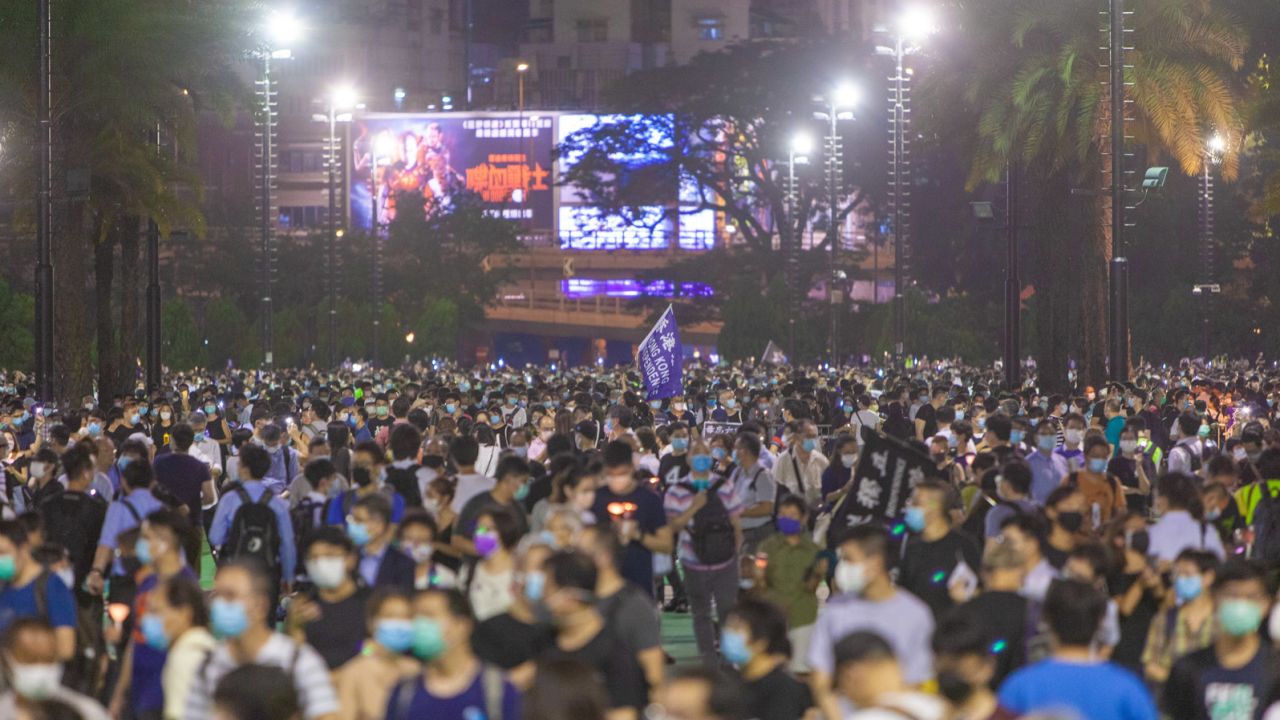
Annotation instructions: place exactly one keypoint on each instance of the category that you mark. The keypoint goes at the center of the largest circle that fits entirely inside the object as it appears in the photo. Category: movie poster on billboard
(505, 158)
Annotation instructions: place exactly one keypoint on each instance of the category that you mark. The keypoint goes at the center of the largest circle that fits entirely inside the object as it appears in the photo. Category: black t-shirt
(183, 476)
(1134, 626)
(122, 433)
(1057, 558)
(74, 520)
(506, 642)
(927, 414)
(1199, 688)
(616, 668)
(777, 696)
(637, 560)
(1004, 615)
(926, 567)
(340, 630)
(672, 467)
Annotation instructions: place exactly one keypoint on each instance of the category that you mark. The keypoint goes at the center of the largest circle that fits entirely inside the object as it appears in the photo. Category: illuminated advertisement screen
(504, 157)
(577, 288)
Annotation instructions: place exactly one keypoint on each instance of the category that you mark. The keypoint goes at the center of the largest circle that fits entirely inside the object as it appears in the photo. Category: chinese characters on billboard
(504, 158)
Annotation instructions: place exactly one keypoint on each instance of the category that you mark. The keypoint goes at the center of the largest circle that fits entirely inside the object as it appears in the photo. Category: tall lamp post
(282, 30)
(1207, 288)
(153, 348)
(913, 26)
(44, 213)
(797, 154)
(844, 96)
(342, 97)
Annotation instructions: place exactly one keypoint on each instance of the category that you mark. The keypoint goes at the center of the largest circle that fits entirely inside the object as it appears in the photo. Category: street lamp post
(44, 212)
(282, 29)
(153, 349)
(340, 98)
(1012, 284)
(914, 25)
(1119, 316)
(797, 154)
(844, 96)
(1207, 288)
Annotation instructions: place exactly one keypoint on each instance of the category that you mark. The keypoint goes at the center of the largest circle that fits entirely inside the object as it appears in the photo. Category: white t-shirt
(470, 486)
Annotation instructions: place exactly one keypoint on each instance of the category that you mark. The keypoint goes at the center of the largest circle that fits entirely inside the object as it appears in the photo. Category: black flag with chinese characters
(773, 355)
(888, 469)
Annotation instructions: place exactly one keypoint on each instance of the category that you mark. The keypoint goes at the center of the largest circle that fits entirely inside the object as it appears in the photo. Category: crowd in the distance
(499, 543)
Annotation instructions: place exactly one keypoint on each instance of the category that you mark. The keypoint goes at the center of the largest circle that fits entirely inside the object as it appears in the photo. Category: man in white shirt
(465, 450)
(1186, 454)
(799, 467)
(1177, 530)
(239, 615)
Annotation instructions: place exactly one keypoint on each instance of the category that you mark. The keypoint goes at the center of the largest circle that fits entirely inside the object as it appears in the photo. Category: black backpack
(714, 541)
(306, 516)
(1266, 526)
(254, 530)
(405, 482)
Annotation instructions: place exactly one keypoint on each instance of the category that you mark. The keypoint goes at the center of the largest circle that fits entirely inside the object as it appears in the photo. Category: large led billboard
(504, 157)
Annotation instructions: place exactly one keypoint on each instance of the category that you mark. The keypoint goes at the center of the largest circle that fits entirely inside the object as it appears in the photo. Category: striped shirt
(679, 498)
(300, 662)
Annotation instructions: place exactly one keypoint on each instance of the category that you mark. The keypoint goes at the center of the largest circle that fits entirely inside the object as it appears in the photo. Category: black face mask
(361, 476)
(435, 462)
(954, 688)
(1070, 521)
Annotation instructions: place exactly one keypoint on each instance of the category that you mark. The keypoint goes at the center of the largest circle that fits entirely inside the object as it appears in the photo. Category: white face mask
(327, 572)
(1273, 622)
(849, 460)
(432, 506)
(419, 553)
(165, 416)
(37, 681)
(1128, 446)
(37, 470)
(1073, 435)
(851, 577)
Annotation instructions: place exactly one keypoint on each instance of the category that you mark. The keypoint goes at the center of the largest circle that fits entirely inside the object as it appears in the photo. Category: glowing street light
(801, 145)
(917, 23)
(284, 29)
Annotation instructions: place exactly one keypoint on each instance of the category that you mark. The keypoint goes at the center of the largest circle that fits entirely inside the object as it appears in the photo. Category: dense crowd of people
(502, 543)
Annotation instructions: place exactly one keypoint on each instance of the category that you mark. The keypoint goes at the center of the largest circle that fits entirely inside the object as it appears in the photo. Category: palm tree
(123, 69)
(1035, 86)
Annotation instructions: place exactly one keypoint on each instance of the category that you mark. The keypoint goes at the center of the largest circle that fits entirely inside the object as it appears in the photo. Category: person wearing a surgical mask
(365, 683)
(33, 672)
(241, 608)
(1072, 440)
(799, 468)
(836, 476)
(330, 618)
(416, 537)
(1189, 624)
(868, 601)
(513, 639)
(19, 573)
(160, 551)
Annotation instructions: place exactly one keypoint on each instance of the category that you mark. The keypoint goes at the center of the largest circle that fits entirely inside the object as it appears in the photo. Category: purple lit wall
(576, 288)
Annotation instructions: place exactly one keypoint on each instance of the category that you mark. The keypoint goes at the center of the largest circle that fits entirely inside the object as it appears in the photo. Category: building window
(303, 217)
(710, 28)
(593, 30)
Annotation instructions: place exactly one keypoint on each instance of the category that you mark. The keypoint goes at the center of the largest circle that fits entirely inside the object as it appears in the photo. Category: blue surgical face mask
(358, 533)
(534, 582)
(701, 463)
(450, 408)
(228, 619)
(679, 444)
(1187, 587)
(1015, 436)
(733, 645)
(719, 453)
(914, 518)
(142, 549)
(809, 444)
(1097, 465)
(394, 635)
(134, 419)
(1046, 443)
